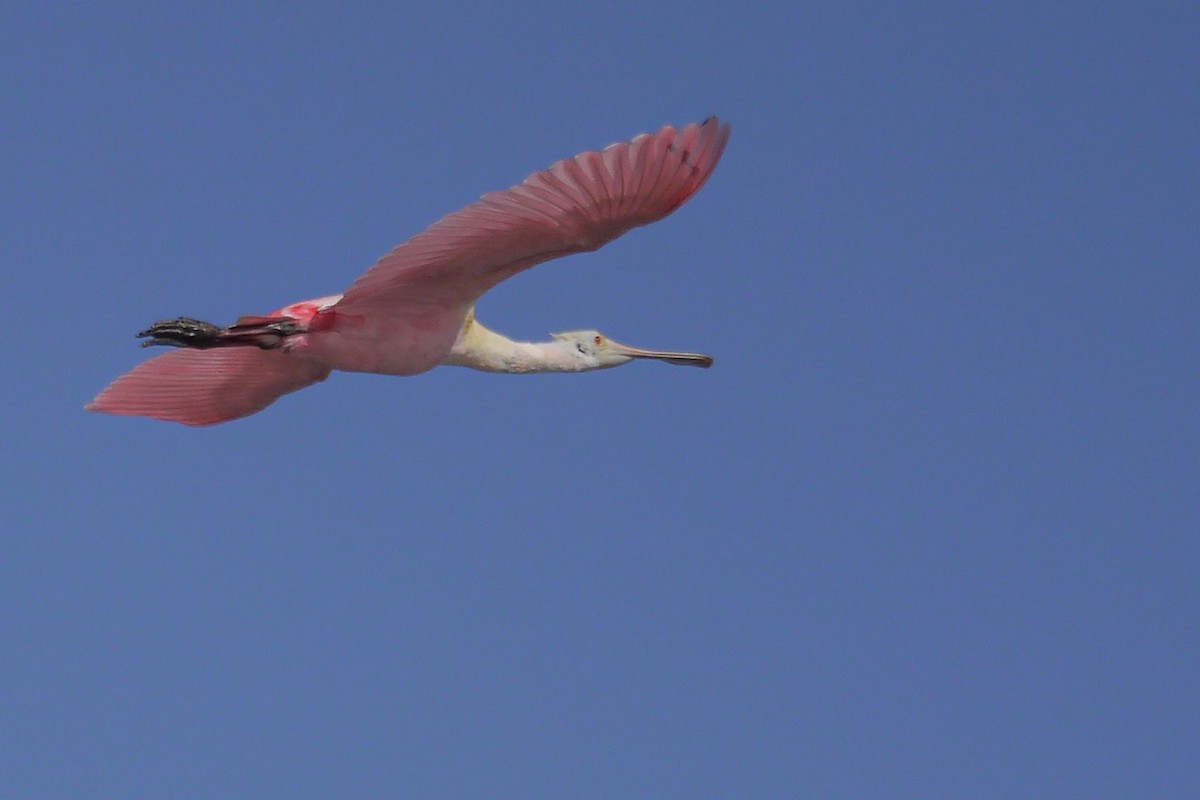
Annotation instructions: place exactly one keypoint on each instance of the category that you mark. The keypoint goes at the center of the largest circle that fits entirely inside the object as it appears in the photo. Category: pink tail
(203, 387)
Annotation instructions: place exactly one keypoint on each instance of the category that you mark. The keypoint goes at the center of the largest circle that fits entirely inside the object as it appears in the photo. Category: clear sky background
(928, 528)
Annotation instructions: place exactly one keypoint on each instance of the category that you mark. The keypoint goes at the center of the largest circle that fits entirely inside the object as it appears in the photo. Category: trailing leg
(266, 333)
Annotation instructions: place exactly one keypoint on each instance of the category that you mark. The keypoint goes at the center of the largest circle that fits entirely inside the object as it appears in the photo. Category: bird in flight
(415, 309)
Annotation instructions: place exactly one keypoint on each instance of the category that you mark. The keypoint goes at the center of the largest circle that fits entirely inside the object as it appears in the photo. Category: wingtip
(718, 130)
(99, 406)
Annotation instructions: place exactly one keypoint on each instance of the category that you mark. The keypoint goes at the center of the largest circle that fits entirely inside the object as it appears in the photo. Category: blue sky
(928, 528)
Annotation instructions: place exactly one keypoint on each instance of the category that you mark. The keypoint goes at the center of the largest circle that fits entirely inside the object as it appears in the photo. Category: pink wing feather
(203, 387)
(574, 206)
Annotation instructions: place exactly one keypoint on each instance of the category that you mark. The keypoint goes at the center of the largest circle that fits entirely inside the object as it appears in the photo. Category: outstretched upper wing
(576, 205)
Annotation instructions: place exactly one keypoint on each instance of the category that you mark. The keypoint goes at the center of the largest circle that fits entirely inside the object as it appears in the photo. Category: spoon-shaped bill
(682, 359)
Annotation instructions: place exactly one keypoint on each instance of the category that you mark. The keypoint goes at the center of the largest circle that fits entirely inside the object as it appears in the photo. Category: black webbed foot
(182, 332)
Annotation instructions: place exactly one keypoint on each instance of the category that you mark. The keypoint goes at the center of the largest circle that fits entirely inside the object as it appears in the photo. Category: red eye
(599, 339)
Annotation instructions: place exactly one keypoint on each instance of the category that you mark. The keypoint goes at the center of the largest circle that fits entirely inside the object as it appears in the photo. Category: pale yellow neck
(479, 348)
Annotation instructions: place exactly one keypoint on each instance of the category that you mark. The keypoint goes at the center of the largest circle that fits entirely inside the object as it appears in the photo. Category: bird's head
(597, 351)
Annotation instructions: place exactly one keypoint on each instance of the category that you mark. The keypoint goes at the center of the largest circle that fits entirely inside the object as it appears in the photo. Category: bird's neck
(484, 349)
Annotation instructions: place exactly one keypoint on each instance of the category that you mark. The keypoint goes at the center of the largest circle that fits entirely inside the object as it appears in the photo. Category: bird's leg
(266, 333)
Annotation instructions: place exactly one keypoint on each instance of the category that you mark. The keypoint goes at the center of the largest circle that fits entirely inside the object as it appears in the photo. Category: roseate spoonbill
(414, 309)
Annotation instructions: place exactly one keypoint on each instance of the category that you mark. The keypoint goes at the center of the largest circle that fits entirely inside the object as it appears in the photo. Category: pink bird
(414, 309)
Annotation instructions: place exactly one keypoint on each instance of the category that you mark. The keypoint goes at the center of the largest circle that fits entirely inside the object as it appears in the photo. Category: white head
(594, 350)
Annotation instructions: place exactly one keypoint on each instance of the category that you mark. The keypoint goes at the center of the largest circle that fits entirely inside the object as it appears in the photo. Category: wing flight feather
(574, 206)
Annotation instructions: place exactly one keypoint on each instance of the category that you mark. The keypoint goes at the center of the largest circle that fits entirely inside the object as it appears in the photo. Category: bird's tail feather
(204, 387)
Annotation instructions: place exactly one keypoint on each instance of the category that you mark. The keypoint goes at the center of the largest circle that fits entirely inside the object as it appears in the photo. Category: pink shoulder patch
(306, 310)
(322, 320)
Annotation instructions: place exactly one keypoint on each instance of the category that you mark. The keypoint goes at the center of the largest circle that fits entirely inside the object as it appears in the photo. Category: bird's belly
(390, 347)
